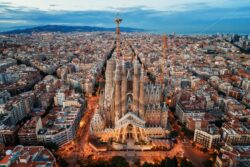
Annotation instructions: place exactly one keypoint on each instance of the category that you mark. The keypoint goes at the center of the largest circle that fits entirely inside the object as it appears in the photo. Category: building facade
(207, 138)
(131, 106)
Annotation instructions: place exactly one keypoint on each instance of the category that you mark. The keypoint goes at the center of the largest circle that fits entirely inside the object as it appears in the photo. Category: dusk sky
(180, 16)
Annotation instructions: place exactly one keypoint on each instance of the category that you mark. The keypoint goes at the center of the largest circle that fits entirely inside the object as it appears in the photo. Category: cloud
(189, 6)
(6, 3)
(160, 5)
(199, 18)
(13, 21)
(53, 5)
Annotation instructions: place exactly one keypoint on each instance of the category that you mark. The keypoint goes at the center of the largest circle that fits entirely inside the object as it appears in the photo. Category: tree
(219, 123)
(173, 134)
(175, 161)
(119, 161)
(51, 146)
(213, 155)
(89, 162)
(204, 149)
(146, 164)
(187, 132)
(62, 162)
(186, 163)
(137, 162)
(208, 163)
(99, 163)
(167, 162)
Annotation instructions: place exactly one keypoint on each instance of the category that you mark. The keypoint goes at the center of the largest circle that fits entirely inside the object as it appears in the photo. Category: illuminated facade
(131, 106)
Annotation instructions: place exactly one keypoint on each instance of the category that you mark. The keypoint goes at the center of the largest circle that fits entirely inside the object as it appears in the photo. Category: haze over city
(158, 16)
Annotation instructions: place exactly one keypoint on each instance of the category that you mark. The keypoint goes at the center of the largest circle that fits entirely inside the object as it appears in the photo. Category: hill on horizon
(65, 29)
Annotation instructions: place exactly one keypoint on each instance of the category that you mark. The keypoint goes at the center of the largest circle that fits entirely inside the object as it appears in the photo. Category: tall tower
(141, 100)
(164, 116)
(117, 100)
(136, 85)
(118, 42)
(164, 46)
(116, 112)
(124, 88)
(164, 52)
(109, 81)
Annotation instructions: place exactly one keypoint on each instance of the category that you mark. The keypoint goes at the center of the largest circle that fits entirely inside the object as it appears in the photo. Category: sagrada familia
(131, 106)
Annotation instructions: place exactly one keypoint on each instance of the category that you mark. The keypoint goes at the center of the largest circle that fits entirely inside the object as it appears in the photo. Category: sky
(180, 16)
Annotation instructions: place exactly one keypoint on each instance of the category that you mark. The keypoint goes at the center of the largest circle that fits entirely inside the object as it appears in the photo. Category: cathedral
(131, 107)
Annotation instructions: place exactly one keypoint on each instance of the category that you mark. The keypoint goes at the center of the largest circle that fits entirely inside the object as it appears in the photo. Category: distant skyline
(180, 16)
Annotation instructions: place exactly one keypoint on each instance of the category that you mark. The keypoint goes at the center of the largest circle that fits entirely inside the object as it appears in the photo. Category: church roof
(130, 118)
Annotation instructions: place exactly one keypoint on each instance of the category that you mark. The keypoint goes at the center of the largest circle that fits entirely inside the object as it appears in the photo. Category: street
(79, 147)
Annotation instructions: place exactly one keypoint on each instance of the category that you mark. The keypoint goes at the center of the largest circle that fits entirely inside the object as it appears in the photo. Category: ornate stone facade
(131, 106)
(130, 103)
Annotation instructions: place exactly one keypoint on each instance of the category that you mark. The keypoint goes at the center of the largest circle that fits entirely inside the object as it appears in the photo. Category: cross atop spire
(118, 21)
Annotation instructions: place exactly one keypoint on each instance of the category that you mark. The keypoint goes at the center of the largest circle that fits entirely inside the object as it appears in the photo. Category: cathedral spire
(118, 32)
(164, 53)
(117, 98)
(136, 85)
(123, 88)
(142, 94)
(142, 72)
(164, 108)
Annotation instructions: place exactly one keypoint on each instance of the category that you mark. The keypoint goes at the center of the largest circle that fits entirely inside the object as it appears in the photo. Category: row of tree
(119, 161)
(170, 162)
(116, 161)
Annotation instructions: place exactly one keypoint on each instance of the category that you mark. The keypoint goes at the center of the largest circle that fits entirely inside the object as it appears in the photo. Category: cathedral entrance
(129, 132)
(130, 137)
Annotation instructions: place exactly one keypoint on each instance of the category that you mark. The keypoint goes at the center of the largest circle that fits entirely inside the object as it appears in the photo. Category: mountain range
(65, 29)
